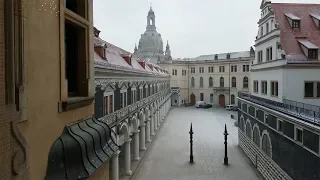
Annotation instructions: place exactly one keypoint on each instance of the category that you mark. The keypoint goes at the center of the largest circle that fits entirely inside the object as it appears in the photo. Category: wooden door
(222, 100)
(193, 99)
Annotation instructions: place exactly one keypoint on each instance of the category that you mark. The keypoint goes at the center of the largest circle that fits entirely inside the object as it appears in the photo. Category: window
(266, 144)
(255, 86)
(210, 81)
(201, 69)
(269, 54)
(274, 88)
(260, 54)
(241, 124)
(76, 37)
(174, 72)
(211, 98)
(264, 87)
(228, 56)
(245, 68)
(110, 103)
(261, 31)
(201, 81)
(295, 24)
(106, 105)
(221, 68)
(234, 82)
(193, 70)
(245, 82)
(221, 82)
(299, 134)
(201, 96)
(192, 82)
(121, 100)
(311, 89)
(313, 53)
(234, 68)
(267, 27)
(216, 57)
(280, 125)
(210, 69)
(233, 99)
(256, 136)
(184, 72)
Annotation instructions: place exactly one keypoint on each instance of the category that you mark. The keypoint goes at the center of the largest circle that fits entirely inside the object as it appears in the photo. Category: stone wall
(264, 164)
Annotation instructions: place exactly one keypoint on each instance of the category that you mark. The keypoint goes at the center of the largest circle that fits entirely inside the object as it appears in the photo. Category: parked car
(231, 107)
(202, 104)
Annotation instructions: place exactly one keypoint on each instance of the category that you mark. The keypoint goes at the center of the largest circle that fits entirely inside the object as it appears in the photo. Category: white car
(200, 104)
(231, 107)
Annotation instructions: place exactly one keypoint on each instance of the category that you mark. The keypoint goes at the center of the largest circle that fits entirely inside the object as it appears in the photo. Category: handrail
(122, 114)
(305, 112)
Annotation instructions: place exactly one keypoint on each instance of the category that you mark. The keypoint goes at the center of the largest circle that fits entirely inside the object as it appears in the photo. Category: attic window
(127, 58)
(293, 20)
(228, 56)
(216, 57)
(310, 50)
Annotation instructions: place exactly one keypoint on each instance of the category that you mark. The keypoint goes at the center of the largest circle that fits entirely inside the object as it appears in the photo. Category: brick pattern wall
(265, 165)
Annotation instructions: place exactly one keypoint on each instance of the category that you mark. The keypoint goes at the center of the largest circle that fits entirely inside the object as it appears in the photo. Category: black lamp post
(191, 145)
(225, 160)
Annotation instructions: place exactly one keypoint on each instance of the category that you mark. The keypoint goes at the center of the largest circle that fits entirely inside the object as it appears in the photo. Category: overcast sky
(192, 27)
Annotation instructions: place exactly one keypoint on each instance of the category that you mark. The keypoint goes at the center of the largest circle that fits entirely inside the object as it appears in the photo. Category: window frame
(280, 121)
(296, 129)
(256, 86)
(315, 92)
(274, 88)
(234, 83)
(247, 83)
(264, 87)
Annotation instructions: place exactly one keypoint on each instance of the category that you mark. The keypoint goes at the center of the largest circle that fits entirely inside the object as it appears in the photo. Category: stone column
(142, 141)
(148, 129)
(127, 158)
(115, 166)
(153, 126)
(136, 145)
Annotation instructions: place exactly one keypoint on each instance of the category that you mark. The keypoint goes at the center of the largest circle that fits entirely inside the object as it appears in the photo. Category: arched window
(232, 99)
(241, 124)
(245, 82)
(234, 82)
(192, 82)
(266, 144)
(221, 82)
(201, 81)
(211, 98)
(248, 129)
(256, 136)
(210, 81)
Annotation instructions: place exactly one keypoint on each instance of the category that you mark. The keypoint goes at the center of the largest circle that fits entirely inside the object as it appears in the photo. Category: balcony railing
(305, 112)
(122, 114)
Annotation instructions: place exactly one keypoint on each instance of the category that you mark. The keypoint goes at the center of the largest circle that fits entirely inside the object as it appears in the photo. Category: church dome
(151, 41)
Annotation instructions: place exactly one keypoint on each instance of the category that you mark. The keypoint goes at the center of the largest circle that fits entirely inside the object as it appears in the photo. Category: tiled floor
(167, 157)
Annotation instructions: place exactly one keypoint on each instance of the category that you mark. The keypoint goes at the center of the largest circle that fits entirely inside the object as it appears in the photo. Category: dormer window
(127, 58)
(101, 50)
(316, 19)
(296, 24)
(294, 21)
(310, 50)
(228, 56)
(216, 57)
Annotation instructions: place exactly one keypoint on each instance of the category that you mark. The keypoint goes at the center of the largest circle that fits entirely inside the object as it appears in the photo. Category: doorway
(222, 100)
(193, 99)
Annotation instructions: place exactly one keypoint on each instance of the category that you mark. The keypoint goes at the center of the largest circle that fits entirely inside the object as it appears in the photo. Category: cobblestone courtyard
(167, 158)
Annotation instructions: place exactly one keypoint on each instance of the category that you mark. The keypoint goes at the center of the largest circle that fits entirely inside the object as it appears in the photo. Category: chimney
(127, 58)
(100, 50)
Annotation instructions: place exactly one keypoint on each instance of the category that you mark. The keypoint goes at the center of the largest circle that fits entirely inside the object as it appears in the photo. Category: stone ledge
(74, 103)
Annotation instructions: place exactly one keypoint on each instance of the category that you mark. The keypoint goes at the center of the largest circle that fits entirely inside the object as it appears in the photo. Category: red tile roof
(115, 60)
(308, 29)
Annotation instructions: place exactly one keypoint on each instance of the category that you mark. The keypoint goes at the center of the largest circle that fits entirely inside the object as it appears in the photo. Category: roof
(317, 16)
(307, 44)
(221, 56)
(292, 16)
(114, 60)
(308, 30)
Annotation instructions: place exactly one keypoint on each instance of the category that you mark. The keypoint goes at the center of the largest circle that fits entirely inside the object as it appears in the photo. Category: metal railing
(121, 114)
(305, 112)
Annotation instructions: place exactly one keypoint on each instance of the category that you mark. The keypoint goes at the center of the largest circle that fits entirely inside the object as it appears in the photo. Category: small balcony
(305, 112)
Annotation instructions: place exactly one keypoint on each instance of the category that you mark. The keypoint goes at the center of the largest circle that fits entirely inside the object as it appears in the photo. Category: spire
(167, 53)
(151, 20)
(135, 49)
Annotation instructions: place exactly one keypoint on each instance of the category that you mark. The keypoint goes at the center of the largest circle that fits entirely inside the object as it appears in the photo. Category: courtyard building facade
(132, 97)
(279, 120)
(214, 78)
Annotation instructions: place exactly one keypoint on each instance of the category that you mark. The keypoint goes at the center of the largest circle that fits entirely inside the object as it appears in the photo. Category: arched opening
(248, 129)
(221, 82)
(192, 99)
(210, 81)
(222, 100)
(233, 99)
(245, 82)
(201, 97)
(211, 98)
(256, 136)
(175, 99)
(266, 144)
(234, 82)
(192, 82)
(201, 81)
(241, 124)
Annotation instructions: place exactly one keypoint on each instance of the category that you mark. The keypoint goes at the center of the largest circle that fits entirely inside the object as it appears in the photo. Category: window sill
(274, 96)
(74, 103)
(311, 97)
